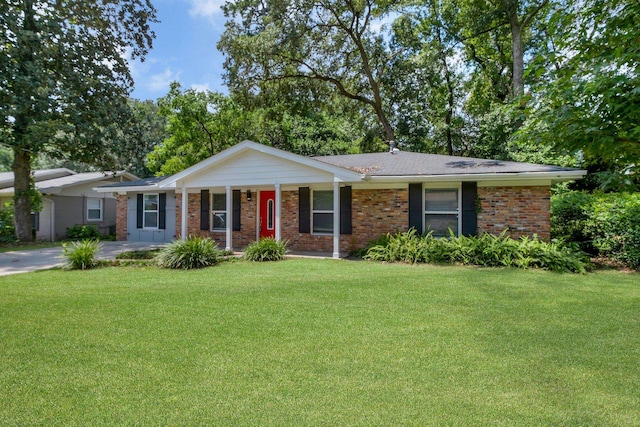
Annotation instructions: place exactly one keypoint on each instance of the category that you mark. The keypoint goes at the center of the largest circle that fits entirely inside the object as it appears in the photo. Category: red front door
(267, 214)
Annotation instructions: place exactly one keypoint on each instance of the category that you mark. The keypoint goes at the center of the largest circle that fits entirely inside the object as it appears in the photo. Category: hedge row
(605, 224)
(484, 250)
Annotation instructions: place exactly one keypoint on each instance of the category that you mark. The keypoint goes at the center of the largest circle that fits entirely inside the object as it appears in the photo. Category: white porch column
(278, 212)
(184, 209)
(336, 219)
(229, 219)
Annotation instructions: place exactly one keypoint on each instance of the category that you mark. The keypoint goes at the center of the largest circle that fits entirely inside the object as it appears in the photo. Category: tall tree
(145, 130)
(199, 125)
(330, 41)
(503, 26)
(587, 85)
(64, 80)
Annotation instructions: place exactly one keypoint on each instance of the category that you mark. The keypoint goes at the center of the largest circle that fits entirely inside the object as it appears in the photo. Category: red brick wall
(377, 212)
(373, 212)
(290, 225)
(240, 239)
(121, 217)
(523, 210)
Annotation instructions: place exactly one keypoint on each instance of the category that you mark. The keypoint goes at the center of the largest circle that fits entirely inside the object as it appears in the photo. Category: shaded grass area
(319, 342)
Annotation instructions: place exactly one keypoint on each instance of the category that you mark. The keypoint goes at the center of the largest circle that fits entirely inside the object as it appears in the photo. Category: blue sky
(184, 49)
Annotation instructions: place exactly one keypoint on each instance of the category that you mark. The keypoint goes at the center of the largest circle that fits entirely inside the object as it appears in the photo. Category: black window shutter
(204, 209)
(469, 214)
(416, 211)
(304, 211)
(236, 209)
(162, 211)
(345, 210)
(139, 210)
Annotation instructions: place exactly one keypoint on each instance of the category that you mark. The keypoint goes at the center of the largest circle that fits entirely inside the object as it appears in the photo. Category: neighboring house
(6, 178)
(68, 199)
(336, 203)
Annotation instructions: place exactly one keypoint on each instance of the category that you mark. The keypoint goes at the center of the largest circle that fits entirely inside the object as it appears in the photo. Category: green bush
(485, 250)
(81, 255)
(80, 232)
(606, 224)
(195, 252)
(7, 229)
(267, 249)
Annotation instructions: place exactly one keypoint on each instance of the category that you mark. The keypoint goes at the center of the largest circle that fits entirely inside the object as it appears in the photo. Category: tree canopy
(64, 81)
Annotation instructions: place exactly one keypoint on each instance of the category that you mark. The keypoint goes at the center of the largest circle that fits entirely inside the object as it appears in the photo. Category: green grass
(320, 342)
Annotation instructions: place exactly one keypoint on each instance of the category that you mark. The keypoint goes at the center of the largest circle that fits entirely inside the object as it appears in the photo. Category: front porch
(236, 216)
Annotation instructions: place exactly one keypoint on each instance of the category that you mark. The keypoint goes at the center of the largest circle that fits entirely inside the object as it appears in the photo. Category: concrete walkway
(24, 261)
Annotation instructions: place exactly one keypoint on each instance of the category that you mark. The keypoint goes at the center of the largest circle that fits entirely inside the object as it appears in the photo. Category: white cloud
(160, 82)
(200, 87)
(205, 8)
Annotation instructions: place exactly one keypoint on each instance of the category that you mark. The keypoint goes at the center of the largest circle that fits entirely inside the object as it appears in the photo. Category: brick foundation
(523, 210)
(121, 217)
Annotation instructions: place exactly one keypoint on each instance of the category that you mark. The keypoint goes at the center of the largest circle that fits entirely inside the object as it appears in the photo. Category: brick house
(336, 203)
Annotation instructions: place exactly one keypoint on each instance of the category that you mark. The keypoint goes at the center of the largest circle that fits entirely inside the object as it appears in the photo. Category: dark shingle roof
(404, 163)
(137, 183)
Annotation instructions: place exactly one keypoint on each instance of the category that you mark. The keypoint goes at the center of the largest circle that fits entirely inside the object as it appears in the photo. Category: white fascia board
(521, 176)
(341, 174)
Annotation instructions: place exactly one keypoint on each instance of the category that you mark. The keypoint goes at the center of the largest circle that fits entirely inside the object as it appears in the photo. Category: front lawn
(320, 342)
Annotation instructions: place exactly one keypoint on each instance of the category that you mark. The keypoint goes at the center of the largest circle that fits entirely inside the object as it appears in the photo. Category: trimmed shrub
(486, 250)
(80, 232)
(195, 252)
(267, 249)
(81, 255)
(606, 224)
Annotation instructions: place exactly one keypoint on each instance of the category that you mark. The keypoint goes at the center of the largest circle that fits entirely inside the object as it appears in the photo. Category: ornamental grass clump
(81, 255)
(195, 252)
(267, 249)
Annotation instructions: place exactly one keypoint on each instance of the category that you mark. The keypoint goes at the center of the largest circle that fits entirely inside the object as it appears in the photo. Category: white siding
(45, 231)
(254, 168)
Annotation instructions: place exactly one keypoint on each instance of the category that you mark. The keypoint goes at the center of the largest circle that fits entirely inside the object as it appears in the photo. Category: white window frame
(100, 209)
(457, 212)
(145, 210)
(217, 212)
(324, 211)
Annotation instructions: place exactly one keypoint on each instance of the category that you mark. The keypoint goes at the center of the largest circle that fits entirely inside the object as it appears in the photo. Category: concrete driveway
(24, 261)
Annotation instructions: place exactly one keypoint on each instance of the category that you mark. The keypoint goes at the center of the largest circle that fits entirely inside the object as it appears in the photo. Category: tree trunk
(22, 196)
(517, 49)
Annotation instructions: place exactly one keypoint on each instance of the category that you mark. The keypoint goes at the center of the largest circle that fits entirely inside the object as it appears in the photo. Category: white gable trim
(340, 174)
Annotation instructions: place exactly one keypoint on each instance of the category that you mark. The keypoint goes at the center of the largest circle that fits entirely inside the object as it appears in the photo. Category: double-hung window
(322, 212)
(94, 209)
(150, 211)
(441, 211)
(219, 211)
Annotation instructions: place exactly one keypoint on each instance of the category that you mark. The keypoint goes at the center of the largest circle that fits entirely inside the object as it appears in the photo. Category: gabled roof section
(407, 164)
(245, 147)
(55, 185)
